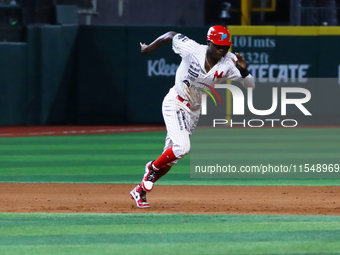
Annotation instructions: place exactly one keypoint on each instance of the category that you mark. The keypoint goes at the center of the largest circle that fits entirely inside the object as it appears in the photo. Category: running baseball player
(201, 66)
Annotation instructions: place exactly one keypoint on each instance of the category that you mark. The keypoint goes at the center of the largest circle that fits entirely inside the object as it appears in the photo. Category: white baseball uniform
(181, 106)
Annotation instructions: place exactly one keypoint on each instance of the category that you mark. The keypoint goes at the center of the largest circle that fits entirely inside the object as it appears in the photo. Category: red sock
(167, 157)
(161, 172)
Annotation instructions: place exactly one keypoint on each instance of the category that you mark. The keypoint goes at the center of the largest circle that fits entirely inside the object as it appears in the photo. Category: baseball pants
(180, 122)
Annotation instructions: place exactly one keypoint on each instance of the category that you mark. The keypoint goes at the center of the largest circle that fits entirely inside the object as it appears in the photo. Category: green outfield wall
(96, 74)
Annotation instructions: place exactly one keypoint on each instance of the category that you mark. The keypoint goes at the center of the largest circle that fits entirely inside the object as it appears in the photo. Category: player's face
(217, 51)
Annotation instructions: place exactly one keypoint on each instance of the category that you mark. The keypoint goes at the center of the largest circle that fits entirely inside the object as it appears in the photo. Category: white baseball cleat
(139, 195)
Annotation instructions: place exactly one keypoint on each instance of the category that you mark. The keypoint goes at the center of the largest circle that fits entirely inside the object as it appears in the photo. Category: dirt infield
(112, 198)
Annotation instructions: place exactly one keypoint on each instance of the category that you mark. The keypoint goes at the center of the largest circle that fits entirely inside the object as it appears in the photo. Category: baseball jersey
(191, 76)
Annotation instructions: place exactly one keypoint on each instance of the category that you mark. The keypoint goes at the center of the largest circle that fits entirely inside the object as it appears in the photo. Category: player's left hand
(143, 48)
(240, 60)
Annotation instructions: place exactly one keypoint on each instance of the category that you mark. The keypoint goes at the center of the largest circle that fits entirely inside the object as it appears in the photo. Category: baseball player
(202, 66)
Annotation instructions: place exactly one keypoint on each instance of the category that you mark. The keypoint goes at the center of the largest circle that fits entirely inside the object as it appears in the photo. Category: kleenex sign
(159, 67)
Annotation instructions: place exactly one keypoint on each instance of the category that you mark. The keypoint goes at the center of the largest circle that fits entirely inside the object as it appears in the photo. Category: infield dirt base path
(114, 198)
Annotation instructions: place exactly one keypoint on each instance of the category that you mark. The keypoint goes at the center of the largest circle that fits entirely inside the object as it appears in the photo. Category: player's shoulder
(182, 43)
(181, 38)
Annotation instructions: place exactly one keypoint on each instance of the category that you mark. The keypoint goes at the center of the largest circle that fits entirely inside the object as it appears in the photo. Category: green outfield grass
(167, 234)
(120, 158)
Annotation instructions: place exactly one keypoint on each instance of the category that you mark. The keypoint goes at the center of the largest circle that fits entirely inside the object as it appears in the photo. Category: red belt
(182, 100)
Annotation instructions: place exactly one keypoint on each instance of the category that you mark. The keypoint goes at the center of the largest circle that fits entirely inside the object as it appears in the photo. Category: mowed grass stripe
(167, 228)
(62, 219)
(199, 234)
(124, 148)
(68, 170)
(236, 135)
(142, 156)
(143, 137)
(87, 152)
(94, 156)
(238, 144)
(157, 148)
(169, 179)
(84, 147)
(74, 163)
(140, 162)
(235, 143)
(113, 179)
(293, 248)
(72, 171)
(270, 236)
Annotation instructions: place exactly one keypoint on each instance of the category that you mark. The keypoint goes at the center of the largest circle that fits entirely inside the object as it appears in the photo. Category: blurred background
(176, 12)
(78, 62)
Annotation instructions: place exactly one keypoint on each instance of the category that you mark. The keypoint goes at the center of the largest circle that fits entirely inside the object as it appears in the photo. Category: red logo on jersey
(216, 75)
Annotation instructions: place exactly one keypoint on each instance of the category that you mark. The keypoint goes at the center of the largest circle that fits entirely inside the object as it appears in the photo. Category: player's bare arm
(160, 41)
(247, 80)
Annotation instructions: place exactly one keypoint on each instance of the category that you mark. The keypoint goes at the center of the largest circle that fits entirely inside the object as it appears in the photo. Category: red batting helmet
(219, 35)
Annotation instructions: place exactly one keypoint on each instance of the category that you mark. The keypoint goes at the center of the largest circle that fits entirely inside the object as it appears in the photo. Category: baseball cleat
(139, 195)
(149, 177)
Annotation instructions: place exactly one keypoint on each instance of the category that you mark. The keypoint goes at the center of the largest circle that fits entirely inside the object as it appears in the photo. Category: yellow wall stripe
(329, 30)
(297, 31)
(284, 30)
(252, 30)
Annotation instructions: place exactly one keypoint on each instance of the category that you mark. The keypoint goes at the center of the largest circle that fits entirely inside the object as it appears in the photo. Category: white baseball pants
(180, 122)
